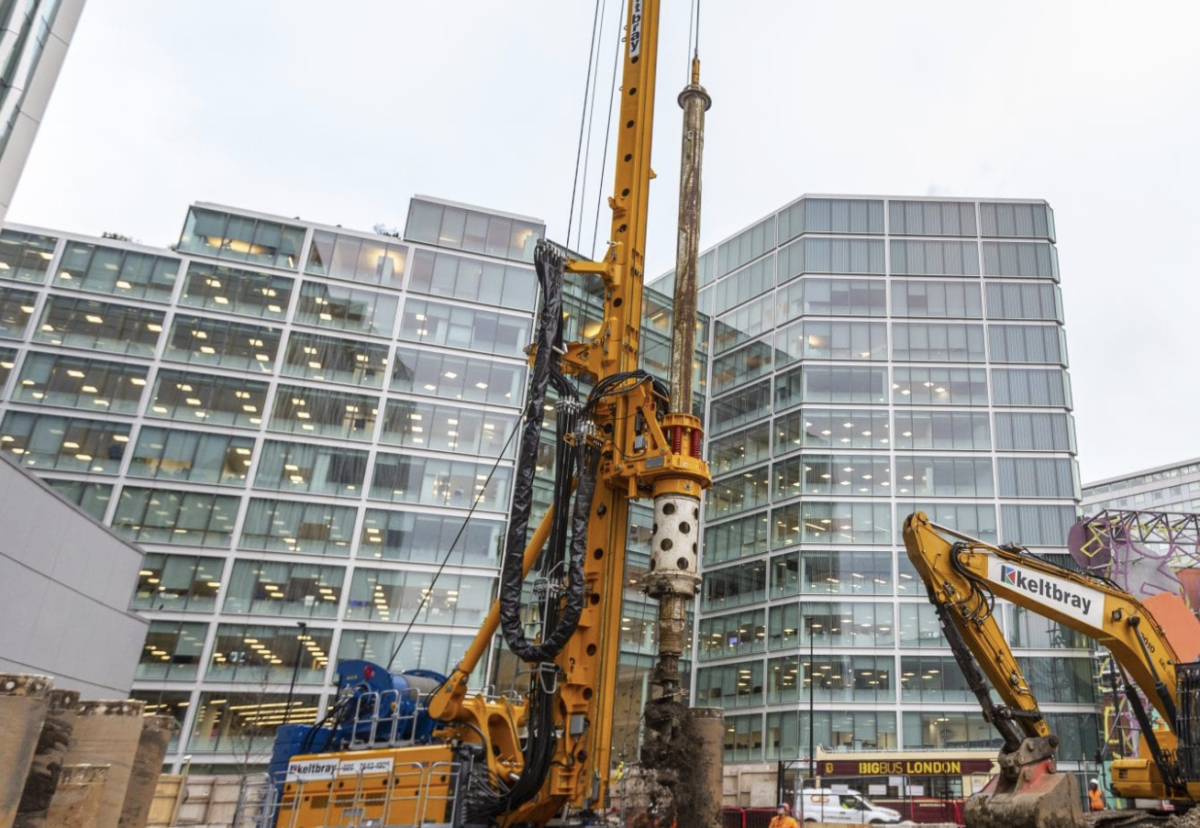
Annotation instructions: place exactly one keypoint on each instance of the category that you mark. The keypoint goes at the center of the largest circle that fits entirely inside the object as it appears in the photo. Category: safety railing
(381, 714)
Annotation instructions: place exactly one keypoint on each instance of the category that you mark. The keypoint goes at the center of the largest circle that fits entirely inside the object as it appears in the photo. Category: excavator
(1154, 645)
(417, 748)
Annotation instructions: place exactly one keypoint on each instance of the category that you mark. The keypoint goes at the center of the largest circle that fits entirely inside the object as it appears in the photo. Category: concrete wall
(65, 586)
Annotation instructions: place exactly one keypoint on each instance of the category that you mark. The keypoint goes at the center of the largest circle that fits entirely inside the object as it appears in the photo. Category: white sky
(338, 112)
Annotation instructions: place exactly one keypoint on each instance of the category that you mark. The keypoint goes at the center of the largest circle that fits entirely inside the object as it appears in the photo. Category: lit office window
(946, 730)
(730, 685)
(16, 309)
(440, 652)
(178, 582)
(75, 382)
(944, 476)
(356, 259)
(163, 516)
(474, 232)
(244, 723)
(433, 323)
(435, 481)
(830, 384)
(810, 522)
(324, 413)
(122, 273)
(304, 528)
(738, 538)
(269, 655)
(920, 627)
(328, 359)
(831, 573)
(743, 738)
(194, 456)
(85, 323)
(739, 633)
(831, 678)
(223, 343)
(172, 651)
(304, 467)
(244, 239)
(933, 678)
(398, 596)
(832, 428)
(939, 386)
(430, 538)
(93, 498)
(1062, 680)
(788, 734)
(847, 475)
(836, 624)
(189, 396)
(233, 290)
(448, 428)
(457, 377)
(473, 280)
(25, 257)
(976, 520)
(738, 493)
(7, 362)
(743, 448)
(961, 430)
(295, 589)
(343, 308)
(64, 443)
(734, 586)
(1026, 628)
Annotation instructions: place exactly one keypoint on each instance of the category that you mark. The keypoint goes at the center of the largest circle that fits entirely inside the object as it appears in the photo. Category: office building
(1171, 488)
(34, 37)
(871, 357)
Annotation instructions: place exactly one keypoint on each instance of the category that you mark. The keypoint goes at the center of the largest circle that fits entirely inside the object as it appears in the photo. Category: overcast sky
(338, 112)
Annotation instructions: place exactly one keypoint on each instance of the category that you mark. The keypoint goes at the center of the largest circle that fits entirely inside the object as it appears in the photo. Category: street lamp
(812, 755)
(295, 669)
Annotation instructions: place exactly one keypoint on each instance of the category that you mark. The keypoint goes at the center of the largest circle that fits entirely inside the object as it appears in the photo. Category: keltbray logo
(1061, 594)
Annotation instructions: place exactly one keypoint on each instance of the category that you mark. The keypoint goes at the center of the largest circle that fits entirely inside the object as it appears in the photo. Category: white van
(823, 805)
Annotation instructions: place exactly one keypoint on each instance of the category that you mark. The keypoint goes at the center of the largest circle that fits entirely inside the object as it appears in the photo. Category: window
(294, 589)
(830, 215)
(744, 324)
(934, 679)
(369, 260)
(788, 732)
(473, 280)
(845, 475)
(920, 627)
(1027, 259)
(1031, 386)
(445, 225)
(945, 730)
(422, 537)
(830, 384)
(940, 342)
(172, 651)
(939, 386)
(233, 290)
(303, 528)
(1018, 300)
(1038, 477)
(163, 516)
(746, 246)
(439, 652)
(837, 678)
(64, 443)
(16, 308)
(931, 218)
(1037, 525)
(739, 633)
(1081, 733)
(83, 323)
(224, 343)
(178, 583)
(241, 238)
(820, 339)
(737, 493)
(1017, 220)
(327, 359)
(402, 596)
(324, 413)
(823, 523)
(957, 430)
(1061, 680)
(74, 382)
(944, 476)
(836, 428)
(734, 539)
(836, 624)
(734, 586)
(937, 299)
(1034, 431)
(402, 478)
(1029, 629)
(812, 296)
(746, 283)
(1028, 343)
(315, 469)
(185, 395)
(122, 273)
(456, 377)
(734, 451)
(448, 428)
(934, 258)
(468, 329)
(244, 723)
(740, 407)
(730, 685)
(818, 255)
(263, 655)
(976, 520)
(92, 498)
(743, 738)
(831, 573)
(342, 308)
(741, 366)
(25, 257)
(7, 357)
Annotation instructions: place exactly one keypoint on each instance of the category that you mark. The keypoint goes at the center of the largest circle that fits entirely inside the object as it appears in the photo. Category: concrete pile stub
(23, 703)
(79, 797)
(107, 733)
(147, 767)
(47, 763)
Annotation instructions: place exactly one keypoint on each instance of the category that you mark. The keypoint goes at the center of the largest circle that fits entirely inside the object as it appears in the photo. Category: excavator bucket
(1040, 798)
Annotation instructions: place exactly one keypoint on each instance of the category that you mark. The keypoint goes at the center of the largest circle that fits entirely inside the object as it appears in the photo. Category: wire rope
(582, 122)
(607, 132)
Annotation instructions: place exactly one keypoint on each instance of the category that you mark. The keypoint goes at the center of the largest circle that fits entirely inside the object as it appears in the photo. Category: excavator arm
(963, 577)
